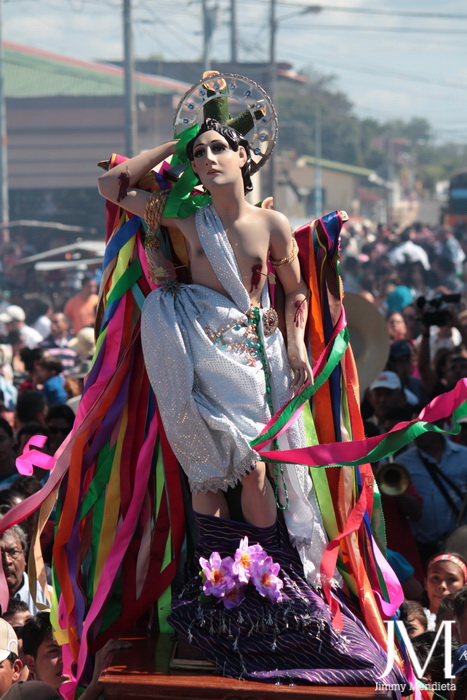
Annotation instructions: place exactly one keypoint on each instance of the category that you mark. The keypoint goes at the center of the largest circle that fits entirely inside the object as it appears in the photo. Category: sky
(390, 64)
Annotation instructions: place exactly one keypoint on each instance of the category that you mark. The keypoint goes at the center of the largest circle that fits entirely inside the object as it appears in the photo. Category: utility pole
(318, 179)
(272, 88)
(4, 203)
(131, 115)
(233, 32)
(209, 24)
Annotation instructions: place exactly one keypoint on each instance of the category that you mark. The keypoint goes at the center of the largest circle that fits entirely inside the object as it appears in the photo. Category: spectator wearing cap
(10, 664)
(81, 309)
(14, 319)
(385, 393)
(402, 360)
(16, 615)
(13, 545)
(438, 470)
(57, 342)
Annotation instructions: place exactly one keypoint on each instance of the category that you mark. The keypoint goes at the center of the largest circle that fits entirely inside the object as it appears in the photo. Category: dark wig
(233, 138)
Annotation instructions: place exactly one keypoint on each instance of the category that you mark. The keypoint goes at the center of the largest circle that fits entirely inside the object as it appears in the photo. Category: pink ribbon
(30, 458)
(344, 452)
(395, 592)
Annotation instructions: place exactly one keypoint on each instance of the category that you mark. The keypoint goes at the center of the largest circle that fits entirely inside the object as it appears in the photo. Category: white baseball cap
(8, 640)
(386, 380)
(12, 313)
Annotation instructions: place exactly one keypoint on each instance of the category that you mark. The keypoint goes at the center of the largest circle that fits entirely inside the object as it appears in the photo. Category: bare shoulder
(279, 227)
(274, 221)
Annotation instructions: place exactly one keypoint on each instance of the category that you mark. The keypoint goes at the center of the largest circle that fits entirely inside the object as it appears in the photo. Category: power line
(359, 10)
(371, 28)
(386, 72)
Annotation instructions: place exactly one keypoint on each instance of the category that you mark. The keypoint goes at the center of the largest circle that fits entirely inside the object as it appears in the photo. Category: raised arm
(118, 184)
(284, 257)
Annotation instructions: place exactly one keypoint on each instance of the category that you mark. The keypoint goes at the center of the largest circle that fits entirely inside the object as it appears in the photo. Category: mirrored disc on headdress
(236, 101)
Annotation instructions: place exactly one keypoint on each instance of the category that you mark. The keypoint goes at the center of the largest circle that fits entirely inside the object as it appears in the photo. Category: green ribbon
(180, 203)
(339, 347)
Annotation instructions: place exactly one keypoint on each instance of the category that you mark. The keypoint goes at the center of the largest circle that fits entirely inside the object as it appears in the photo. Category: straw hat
(368, 337)
(84, 344)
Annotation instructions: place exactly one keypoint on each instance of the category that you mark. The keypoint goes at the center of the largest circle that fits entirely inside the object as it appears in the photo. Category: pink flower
(219, 575)
(244, 556)
(264, 576)
(234, 597)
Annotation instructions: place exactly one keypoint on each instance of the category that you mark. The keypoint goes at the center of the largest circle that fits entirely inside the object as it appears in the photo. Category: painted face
(215, 162)
(14, 561)
(443, 578)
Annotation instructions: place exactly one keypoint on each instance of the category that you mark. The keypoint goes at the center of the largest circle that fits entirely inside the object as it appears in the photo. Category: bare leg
(210, 503)
(258, 502)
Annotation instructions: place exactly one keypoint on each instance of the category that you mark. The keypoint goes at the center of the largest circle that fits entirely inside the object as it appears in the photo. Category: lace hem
(223, 483)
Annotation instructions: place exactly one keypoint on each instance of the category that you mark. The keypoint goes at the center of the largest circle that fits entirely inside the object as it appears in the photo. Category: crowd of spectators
(45, 354)
(416, 278)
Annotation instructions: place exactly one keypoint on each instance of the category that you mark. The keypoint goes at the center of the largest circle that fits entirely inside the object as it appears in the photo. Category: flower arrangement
(227, 578)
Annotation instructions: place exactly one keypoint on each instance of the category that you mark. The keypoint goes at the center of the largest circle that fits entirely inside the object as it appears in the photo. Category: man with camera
(441, 330)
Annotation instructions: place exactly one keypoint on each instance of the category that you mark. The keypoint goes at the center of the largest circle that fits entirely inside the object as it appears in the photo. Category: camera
(435, 311)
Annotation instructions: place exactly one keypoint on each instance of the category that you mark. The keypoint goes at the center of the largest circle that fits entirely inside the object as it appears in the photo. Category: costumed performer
(220, 370)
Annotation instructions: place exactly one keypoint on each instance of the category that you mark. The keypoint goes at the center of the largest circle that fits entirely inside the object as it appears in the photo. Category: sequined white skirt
(203, 359)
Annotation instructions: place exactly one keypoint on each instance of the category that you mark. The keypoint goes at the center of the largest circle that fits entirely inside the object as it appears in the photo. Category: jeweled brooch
(270, 321)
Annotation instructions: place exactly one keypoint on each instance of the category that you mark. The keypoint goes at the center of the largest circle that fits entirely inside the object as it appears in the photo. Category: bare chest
(250, 248)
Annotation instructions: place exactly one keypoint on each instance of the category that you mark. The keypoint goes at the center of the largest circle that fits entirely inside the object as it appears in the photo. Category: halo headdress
(217, 95)
(235, 101)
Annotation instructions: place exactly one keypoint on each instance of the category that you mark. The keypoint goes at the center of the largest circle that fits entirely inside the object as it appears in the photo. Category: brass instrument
(392, 478)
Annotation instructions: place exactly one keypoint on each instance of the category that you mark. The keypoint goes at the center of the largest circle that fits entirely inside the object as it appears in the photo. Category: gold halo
(241, 92)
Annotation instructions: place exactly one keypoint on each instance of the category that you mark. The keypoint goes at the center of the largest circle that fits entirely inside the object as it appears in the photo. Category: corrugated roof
(334, 165)
(34, 73)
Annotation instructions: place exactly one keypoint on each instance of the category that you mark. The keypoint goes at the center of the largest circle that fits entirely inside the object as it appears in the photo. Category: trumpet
(393, 479)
